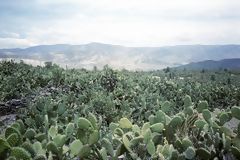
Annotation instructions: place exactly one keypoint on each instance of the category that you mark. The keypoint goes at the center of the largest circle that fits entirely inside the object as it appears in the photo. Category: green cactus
(82, 135)
(145, 127)
(175, 122)
(136, 130)
(214, 124)
(160, 117)
(29, 147)
(108, 146)
(187, 101)
(120, 151)
(119, 132)
(20, 153)
(113, 126)
(224, 117)
(181, 157)
(235, 151)
(75, 147)
(151, 119)
(235, 110)
(226, 131)
(188, 110)
(217, 140)
(93, 138)
(40, 157)
(186, 142)
(181, 115)
(61, 109)
(151, 147)
(226, 140)
(157, 137)
(206, 114)
(85, 151)
(178, 145)
(116, 141)
(11, 130)
(126, 143)
(30, 133)
(125, 123)
(46, 123)
(83, 123)
(168, 119)
(40, 137)
(51, 146)
(3, 145)
(157, 127)
(103, 153)
(11, 158)
(60, 140)
(31, 123)
(190, 153)
(65, 149)
(238, 130)
(92, 118)
(166, 107)
(37, 147)
(16, 125)
(147, 114)
(167, 150)
(13, 139)
(136, 141)
(22, 126)
(147, 136)
(200, 123)
(202, 153)
(70, 129)
(52, 132)
(174, 155)
(202, 105)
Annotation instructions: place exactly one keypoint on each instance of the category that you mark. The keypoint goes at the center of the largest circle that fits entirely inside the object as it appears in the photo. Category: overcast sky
(126, 22)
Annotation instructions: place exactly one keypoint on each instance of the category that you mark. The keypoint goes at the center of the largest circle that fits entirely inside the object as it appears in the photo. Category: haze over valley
(132, 58)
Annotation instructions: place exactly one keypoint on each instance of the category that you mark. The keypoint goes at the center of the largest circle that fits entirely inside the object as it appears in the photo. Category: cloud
(15, 43)
(5, 34)
(130, 23)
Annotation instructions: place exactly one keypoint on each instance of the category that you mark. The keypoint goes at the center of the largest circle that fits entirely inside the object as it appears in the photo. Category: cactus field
(106, 114)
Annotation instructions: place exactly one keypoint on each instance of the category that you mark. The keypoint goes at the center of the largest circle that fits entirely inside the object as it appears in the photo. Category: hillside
(54, 113)
(213, 65)
(133, 58)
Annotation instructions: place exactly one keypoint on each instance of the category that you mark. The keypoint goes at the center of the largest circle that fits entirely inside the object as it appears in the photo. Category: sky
(25, 23)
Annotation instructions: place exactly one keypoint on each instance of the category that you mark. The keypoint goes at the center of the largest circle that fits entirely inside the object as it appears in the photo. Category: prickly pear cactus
(20, 153)
(235, 110)
(187, 101)
(11, 130)
(13, 139)
(166, 107)
(125, 123)
(40, 157)
(83, 123)
(223, 118)
(206, 114)
(202, 105)
(30, 133)
(190, 153)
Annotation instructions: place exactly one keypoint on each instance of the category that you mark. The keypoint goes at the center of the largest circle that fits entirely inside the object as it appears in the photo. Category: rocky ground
(8, 109)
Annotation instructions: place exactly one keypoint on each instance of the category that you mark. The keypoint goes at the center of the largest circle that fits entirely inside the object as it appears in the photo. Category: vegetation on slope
(108, 114)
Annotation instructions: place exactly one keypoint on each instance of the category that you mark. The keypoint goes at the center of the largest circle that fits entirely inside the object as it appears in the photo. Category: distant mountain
(213, 65)
(143, 58)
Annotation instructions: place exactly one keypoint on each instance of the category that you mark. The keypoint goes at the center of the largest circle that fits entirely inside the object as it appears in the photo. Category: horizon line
(102, 43)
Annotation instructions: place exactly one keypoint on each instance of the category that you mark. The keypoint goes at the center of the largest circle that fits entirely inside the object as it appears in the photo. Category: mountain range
(116, 56)
(231, 64)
